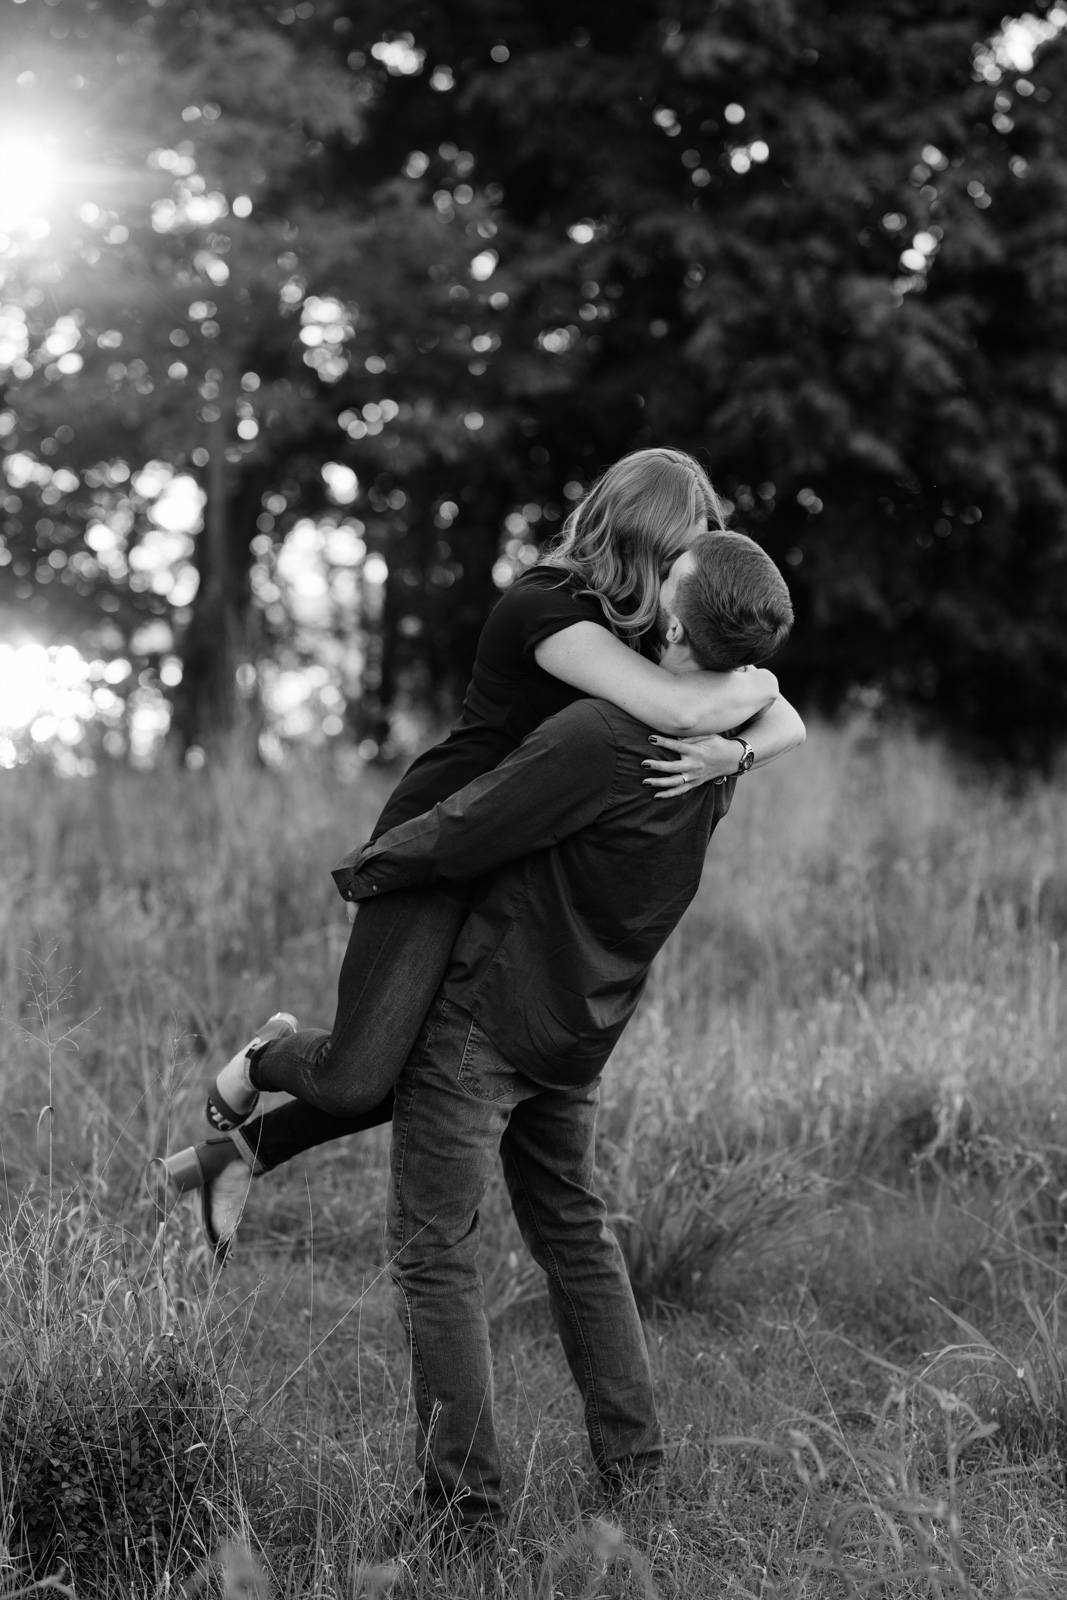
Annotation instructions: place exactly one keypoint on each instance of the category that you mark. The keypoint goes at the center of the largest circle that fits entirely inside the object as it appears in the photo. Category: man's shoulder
(600, 720)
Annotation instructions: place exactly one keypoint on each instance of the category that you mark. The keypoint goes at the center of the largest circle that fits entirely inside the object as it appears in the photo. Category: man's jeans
(459, 1103)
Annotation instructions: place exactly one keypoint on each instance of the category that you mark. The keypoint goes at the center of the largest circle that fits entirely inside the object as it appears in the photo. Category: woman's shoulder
(543, 599)
(546, 575)
(546, 584)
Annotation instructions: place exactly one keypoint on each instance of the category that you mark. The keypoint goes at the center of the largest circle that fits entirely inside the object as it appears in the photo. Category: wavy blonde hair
(623, 536)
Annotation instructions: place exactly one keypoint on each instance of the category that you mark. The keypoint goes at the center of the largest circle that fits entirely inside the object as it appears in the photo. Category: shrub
(113, 1466)
(678, 1229)
(123, 1457)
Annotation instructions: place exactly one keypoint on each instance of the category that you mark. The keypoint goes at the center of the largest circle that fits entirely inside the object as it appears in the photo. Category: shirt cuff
(346, 874)
(365, 873)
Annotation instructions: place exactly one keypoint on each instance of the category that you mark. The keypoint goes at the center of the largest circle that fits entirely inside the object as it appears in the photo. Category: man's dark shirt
(587, 876)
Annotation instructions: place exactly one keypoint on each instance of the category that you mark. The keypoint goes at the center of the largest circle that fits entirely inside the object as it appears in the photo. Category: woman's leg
(267, 1142)
(222, 1167)
(398, 952)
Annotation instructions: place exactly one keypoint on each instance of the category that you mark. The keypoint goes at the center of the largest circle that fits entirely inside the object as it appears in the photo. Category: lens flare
(29, 171)
(24, 672)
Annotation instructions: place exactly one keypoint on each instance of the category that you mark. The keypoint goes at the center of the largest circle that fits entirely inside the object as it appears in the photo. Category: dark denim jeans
(276, 1137)
(458, 1105)
(398, 952)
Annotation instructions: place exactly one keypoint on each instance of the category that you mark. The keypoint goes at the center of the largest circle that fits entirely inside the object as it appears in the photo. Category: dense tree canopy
(423, 269)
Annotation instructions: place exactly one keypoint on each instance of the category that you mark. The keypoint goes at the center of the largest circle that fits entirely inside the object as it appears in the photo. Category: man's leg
(548, 1164)
(453, 1100)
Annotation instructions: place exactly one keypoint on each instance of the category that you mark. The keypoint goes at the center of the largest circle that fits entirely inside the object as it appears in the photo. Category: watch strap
(748, 755)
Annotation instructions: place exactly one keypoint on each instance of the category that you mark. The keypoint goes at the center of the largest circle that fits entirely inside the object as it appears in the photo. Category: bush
(678, 1229)
(124, 1456)
(113, 1467)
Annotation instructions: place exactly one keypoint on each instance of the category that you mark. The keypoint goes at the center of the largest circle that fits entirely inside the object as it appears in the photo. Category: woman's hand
(699, 761)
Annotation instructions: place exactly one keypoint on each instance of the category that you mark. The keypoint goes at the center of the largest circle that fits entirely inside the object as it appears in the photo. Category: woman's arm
(772, 733)
(590, 658)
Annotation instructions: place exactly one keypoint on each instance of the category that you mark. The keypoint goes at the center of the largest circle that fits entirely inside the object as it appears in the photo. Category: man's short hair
(734, 604)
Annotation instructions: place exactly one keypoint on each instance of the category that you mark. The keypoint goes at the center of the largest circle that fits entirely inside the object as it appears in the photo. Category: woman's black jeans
(398, 953)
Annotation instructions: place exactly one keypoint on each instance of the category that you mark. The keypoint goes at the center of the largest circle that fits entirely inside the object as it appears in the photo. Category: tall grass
(831, 1143)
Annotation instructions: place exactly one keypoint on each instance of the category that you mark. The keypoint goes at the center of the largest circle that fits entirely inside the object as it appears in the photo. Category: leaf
(45, 1125)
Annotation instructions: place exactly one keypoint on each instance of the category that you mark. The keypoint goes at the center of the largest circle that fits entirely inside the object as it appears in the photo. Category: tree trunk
(210, 708)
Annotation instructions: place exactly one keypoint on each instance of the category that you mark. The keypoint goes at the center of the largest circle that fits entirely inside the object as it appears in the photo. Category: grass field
(832, 1141)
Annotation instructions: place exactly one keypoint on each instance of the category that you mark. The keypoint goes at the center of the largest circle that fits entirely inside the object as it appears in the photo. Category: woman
(570, 626)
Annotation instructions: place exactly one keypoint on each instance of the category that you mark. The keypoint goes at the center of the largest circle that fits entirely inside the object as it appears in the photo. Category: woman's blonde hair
(635, 521)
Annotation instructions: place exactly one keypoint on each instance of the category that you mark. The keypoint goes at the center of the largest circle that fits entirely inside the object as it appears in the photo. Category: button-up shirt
(578, 877)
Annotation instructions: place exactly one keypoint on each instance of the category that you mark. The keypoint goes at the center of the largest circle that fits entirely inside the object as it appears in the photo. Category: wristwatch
(748, 755)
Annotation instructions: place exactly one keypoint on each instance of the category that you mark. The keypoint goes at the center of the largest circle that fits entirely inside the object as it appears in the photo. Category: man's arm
(556, 782)
(774, 731)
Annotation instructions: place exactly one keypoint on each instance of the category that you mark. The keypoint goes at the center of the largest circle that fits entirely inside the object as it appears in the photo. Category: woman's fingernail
(652, 739)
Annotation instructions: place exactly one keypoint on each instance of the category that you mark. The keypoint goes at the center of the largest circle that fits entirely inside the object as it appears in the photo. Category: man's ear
(675, 633)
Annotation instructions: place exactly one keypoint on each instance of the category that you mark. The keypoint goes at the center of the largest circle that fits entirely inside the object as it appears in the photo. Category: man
(579, 878)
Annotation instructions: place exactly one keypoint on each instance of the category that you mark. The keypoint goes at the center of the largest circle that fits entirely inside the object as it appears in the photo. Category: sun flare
(29, 177)
(23, 683)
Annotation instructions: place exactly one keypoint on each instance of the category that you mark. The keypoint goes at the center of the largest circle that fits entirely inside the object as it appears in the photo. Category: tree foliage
(475, 252)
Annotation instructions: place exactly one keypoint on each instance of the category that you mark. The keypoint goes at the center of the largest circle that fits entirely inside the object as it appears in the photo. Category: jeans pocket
(483, 1072)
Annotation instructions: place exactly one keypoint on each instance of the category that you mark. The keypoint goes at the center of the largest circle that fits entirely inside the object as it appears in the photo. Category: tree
(819, 248)
(489, 248)
(204, 319)
(181, 322)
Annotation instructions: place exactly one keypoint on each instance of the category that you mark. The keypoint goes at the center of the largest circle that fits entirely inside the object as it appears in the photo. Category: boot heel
(169, 1177)
(183, 1171)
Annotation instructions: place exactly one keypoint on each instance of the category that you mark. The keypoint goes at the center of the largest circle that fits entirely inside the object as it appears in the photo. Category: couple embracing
(514, 892)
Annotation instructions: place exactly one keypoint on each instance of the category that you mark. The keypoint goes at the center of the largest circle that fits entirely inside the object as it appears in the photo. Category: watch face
(747, 759)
